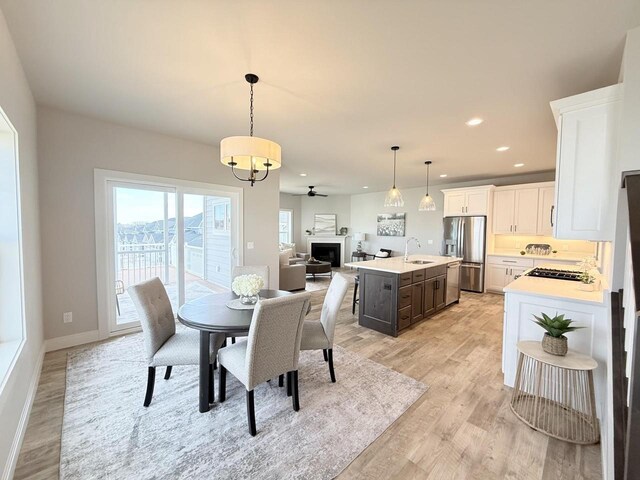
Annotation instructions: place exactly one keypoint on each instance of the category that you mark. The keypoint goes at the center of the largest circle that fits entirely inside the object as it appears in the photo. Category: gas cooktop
(571, 275)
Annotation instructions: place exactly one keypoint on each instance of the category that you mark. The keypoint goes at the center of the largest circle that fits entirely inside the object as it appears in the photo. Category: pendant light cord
(428, 179)
(394, 168)
(251, 112)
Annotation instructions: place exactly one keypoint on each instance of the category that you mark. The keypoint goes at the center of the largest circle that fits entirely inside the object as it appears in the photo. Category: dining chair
(318, 335)
(271, 349)
(164, 346)
(261, 270)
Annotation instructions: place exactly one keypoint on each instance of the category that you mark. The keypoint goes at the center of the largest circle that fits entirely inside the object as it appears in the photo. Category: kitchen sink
(419, 262)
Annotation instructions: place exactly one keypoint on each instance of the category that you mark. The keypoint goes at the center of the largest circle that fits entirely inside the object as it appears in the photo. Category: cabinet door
(516, 272)
(441, 290)
(454, 204)
(477, 202)
(496, 277)
(503, 210)
(417, 301)
(546, 199)
(584, 210)
(526, 211)
(429, 297)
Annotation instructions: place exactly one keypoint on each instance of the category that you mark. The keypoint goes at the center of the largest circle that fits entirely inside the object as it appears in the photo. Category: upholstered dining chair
(262, 270)
(164, 346)
(271, 349)
(318, 335)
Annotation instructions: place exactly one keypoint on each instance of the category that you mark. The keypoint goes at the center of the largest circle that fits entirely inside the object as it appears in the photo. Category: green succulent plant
(556, 326)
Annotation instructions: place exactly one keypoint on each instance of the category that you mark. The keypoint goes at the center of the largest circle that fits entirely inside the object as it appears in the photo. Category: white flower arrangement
(247, 285)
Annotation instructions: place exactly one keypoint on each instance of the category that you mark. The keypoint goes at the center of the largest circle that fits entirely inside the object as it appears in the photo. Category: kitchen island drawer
(404, 317)
(404, 297)
(435, 271)
(405, 279)
(418, 276)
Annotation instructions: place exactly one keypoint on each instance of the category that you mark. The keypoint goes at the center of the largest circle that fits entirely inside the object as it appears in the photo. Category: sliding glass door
(183, 236)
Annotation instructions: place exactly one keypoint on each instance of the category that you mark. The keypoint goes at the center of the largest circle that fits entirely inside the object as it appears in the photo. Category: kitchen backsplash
(519, 242)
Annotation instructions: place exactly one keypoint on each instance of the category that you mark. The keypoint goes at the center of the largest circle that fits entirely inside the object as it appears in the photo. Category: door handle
(551, 216)
(511, 228)
(515, 228)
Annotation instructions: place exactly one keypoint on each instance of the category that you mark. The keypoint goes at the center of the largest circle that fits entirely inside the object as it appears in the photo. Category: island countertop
(398, 265)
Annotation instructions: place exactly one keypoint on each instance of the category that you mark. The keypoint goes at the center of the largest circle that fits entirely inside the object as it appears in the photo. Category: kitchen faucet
(406, 247)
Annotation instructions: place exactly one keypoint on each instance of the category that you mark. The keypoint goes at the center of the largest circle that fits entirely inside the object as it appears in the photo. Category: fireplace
(326, 252)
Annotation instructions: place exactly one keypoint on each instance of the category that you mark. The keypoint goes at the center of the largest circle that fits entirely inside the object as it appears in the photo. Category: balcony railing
(139, 262)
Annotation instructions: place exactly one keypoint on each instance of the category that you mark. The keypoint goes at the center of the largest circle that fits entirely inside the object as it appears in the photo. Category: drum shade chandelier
(248, 152)
(394, 197)
(427, 204)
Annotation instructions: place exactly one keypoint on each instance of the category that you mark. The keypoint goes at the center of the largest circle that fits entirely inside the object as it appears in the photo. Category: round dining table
(210, 314)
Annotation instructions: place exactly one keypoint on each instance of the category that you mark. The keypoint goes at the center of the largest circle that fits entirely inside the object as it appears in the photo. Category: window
(285, 229)
(222, 217)
(11, 287)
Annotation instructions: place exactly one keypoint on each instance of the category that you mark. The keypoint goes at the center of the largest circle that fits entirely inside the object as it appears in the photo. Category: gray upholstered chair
(164, 346)
(271, 349)
(262, 270)
(319, 335)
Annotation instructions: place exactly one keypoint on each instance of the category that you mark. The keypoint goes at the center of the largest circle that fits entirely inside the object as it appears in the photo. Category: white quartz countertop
(398, 265)
(571, 257)
(560, 289)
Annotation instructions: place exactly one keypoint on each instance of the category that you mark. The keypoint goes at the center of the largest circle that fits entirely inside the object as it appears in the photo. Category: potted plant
(587, 281)
(554, 341)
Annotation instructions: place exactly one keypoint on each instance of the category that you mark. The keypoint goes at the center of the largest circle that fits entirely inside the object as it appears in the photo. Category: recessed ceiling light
(365, 186)
(474, 121)
(443, 175)
(502, 149)
(303, 174)
(518, 165)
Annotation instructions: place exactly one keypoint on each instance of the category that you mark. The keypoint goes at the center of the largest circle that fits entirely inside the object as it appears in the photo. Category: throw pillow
(382, 254)
(284, 257)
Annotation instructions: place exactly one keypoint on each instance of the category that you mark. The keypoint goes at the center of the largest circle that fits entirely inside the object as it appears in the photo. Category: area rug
(107, 433)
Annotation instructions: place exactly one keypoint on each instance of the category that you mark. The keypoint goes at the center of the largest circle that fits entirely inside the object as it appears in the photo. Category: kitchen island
(395, 294)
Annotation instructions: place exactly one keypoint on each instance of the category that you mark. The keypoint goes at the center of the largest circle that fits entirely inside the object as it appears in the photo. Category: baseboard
(12, 459)
(67, 341)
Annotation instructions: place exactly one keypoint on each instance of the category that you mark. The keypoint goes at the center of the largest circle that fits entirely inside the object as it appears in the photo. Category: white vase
(249, 299)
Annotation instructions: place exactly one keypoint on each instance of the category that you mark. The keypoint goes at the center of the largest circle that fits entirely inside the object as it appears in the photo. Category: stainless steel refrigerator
(465, 237)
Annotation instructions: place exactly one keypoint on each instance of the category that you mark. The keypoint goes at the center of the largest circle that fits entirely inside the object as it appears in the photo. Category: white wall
(71, 146)
(292, 202)
(425, 226)
(17, 102)
(338, 204)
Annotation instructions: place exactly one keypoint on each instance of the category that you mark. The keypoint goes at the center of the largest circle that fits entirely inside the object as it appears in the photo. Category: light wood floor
(461, 428)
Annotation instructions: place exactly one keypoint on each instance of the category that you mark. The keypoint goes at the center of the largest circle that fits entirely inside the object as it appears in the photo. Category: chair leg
(281, 381)
(289, 389)
(167, 372)
(296, 398)
(211, 394)
(324, 354)
(223, 384)
(251, 413)
(331, 372)
(233, 339)
(118, 305)
(151, 380)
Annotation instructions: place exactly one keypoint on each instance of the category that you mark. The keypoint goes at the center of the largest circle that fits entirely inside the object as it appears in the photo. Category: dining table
(210, 314)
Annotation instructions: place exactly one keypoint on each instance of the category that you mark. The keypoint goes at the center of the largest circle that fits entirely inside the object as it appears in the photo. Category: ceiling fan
(313, 193)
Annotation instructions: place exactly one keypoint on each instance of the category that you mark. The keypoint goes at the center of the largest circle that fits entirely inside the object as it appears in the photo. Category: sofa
(292, 276)
(294, 257)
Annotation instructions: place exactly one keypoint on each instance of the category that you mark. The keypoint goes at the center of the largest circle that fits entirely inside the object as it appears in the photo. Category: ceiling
(340, 81)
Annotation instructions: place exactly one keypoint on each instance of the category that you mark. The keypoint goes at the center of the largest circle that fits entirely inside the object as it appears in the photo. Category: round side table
(555, 394)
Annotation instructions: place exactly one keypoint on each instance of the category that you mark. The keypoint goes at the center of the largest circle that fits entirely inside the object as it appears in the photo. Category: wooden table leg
(204, 371)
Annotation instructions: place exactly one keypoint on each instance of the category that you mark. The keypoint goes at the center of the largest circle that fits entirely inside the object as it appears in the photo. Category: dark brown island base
(395, 294)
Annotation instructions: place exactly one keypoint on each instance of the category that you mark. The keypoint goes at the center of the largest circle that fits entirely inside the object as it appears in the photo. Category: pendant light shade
(394, 197)
(427, 204)
(248, 152)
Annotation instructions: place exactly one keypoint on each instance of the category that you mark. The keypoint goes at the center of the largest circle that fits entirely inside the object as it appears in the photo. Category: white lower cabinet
(503, 270)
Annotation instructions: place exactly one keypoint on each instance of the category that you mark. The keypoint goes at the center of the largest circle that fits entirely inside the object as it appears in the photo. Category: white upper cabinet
(515, 209)
(504, 204)
(585, 187)
(467, 201)
(546, 210)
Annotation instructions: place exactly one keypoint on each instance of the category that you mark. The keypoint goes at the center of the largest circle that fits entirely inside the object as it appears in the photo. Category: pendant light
(250, 153)
(427, 204)
(394, 197)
